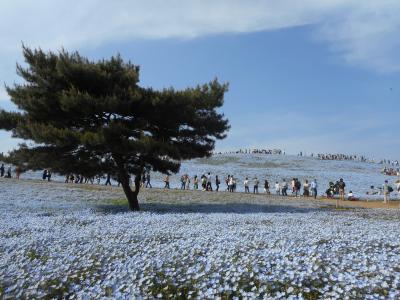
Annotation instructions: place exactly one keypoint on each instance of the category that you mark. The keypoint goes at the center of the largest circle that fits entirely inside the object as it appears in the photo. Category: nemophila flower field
(77, 241)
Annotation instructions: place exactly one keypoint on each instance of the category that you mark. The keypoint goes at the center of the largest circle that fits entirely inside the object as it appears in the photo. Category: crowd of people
(207, 182)
(341, 157)
(391, 171)
(254, 151)
(394, 163)
(7, 174)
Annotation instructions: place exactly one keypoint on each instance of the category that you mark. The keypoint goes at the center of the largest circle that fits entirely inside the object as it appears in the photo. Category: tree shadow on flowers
(207, 208)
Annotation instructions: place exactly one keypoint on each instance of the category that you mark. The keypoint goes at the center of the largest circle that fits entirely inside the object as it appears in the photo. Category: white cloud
(362, 32)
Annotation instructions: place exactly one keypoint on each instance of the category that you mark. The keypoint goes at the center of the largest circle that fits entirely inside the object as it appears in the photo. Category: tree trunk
(123, 176)
(131, 195)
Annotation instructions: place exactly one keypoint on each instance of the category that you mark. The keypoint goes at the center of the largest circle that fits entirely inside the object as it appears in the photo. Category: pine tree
(93, 118)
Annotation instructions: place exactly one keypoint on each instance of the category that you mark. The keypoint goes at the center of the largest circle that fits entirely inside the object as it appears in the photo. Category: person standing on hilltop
(2, 170)
(341, 185)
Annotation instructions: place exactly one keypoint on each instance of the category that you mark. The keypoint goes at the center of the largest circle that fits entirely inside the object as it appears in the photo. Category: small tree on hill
(93, 118)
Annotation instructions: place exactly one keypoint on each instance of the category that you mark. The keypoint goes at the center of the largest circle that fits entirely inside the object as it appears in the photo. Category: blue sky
(314, 78)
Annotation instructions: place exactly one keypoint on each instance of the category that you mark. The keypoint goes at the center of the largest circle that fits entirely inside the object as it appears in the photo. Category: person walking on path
(183, 182)
(48, 175)
(341, 186)
(256, 183)
(195, 182)
(143, 184)
(2, 170)
(306, 191)
(293, 185)
(187, 182)
(227, 179)
(314, 188)
(108, 180)
(387, 189)
(217, 183)
(284, 188)
(246, 185)
(277, 188)
(266, 187)
(148, 184)
(231, 183)
(297, 186)
(208, 186)
(166, 180)
(8, 172)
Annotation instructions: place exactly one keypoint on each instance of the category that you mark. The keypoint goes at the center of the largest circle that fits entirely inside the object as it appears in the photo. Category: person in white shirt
(314, 188)
(277, 188)
(246, 185)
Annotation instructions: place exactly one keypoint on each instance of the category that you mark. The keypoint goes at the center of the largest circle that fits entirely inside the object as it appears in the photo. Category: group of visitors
(146, 179)
(342, 157)
(391, 171)
(77, 178)
(3, 172)
(309, 188)
(205, 181)
(256, 182)
(254, 151)
(46, 175)
(394, 163)
(336, 189)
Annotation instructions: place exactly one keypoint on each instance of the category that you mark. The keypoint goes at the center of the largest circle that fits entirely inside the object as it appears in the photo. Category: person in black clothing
(2, 170)
(217, 183)
(108, 180)
(266, 187)
(341, 186)
(284, 188)
(148, 184)
(255, 187)
(297, 185)
(8, 172)
(44, 175)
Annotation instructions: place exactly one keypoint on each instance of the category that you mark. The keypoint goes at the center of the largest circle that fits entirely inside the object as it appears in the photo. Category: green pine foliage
(86, 117)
